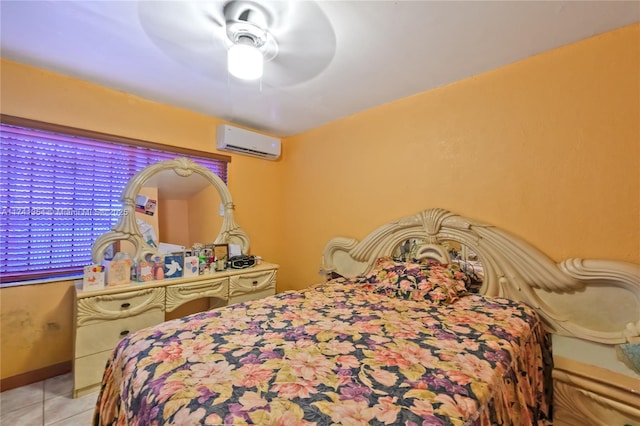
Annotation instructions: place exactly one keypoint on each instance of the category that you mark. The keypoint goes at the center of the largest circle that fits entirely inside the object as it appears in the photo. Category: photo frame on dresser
(221, 254)
(221, 251)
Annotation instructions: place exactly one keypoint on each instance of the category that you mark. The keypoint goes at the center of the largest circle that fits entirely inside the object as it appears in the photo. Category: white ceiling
(373, 52)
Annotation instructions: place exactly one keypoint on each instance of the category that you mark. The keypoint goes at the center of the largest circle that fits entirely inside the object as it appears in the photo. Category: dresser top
(133, 286)
(592, 354)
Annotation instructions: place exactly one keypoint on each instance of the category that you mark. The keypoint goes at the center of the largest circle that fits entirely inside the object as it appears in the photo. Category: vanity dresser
(102, 317)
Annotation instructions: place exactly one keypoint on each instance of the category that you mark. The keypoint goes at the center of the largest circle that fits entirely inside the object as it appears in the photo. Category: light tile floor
(46, 403)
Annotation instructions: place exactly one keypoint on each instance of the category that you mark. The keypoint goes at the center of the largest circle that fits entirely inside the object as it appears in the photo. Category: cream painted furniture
(127, 229)
(101, 321)
(103, 317)
(591, 386)
(589, 306)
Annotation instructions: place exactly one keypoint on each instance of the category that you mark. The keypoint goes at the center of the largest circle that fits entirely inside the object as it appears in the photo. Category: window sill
(41, 281)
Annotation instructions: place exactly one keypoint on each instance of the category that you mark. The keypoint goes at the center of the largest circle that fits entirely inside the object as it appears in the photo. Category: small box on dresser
(93, 277)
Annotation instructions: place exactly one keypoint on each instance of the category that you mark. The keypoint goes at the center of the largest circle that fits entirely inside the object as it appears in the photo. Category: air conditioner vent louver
(234, 139)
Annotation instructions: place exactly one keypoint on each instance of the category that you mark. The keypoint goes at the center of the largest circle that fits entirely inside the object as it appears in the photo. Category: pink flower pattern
(339, 353)
(416, 280)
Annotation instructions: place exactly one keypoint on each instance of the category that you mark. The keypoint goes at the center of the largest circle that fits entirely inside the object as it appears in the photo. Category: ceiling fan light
(245, 62)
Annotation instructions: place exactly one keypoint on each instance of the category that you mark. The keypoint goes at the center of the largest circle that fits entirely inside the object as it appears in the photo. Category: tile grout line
(43, 401)
(45, 398)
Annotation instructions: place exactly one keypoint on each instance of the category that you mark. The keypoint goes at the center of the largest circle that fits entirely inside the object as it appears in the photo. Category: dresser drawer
(88, 372)
(121, 305)
(105, 335)
(182, 293)
(251, 286)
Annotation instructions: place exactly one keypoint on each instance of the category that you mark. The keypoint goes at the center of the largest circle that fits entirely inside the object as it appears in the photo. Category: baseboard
(35, 376)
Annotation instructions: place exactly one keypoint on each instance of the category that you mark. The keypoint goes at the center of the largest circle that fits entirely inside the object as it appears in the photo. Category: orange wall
(547, 148)
(43, 313)
(35, 323)
(193, 220)
(204, 218)
(174, 227)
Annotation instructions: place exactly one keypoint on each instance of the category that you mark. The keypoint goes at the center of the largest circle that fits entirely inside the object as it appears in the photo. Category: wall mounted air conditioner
(246, 142)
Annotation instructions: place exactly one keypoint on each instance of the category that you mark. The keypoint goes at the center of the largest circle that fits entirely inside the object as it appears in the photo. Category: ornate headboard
(596, 300)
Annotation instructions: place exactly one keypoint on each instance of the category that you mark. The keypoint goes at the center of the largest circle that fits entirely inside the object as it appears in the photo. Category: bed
(389, 341)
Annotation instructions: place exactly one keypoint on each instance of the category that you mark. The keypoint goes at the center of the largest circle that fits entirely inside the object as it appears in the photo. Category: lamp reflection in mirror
(245, 61)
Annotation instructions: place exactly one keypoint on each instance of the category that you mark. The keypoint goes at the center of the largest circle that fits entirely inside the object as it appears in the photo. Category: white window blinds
(58, 193)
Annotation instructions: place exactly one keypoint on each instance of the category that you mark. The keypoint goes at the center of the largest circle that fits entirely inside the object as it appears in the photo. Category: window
(60, 189)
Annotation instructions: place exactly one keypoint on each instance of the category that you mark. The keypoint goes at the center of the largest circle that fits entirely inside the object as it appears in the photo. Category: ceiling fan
(293, 40)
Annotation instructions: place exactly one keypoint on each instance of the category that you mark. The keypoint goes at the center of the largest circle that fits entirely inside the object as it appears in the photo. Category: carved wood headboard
(592, 299)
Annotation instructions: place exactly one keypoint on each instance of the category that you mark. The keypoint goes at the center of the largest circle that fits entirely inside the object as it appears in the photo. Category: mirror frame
(126, 229)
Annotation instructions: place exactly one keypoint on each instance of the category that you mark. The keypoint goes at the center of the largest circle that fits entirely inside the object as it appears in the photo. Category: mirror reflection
(461, 255)
(468, 262)
(176, 203)
(172, 210)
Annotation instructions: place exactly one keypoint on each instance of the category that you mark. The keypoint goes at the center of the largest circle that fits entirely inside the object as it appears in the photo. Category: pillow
(415, 280)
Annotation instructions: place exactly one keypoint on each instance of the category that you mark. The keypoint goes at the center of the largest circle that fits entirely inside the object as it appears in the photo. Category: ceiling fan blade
(190, 32)
(306, 46)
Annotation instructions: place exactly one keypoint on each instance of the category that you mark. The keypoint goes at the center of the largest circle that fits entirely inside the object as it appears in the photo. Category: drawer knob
(125, 305)
(255, 282)
(124, 332)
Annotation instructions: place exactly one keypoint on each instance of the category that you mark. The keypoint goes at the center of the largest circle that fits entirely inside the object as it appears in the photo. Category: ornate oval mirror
(157, 202)
(178, 210)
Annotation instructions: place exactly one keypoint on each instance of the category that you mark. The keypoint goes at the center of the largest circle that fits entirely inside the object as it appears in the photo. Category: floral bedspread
(335, 354)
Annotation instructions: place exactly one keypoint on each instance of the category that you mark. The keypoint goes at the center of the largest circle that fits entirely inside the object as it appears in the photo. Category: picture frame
(221, 252)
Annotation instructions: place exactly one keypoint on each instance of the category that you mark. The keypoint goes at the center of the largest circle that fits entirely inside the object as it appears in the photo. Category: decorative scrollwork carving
(115, 306)
(432, 221)
(184, 167)
(181, 294)
(512, 269)
(576, 406)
